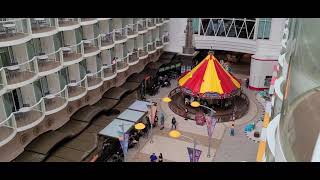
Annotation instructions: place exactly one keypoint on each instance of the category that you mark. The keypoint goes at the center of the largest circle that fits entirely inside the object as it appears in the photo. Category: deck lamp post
(212, 112)
(166, 100)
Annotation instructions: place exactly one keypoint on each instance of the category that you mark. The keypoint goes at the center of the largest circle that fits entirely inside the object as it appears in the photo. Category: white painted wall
(74, 72)
(118, 50)
(28, 94)
(106, 56)
(92, 64)
(130, 45)
(20, 53)
(176, 30)
(259, 70)
(47, 44)
(88, 32)
(53, 83)
(104, 26)
(140, 41)
(69, 37)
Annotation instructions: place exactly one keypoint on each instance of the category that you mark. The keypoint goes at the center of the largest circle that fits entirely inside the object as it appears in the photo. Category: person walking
(232, 130)
(153, 157)
(186, 114)
(161, 121)
(173, 123)
(160, 158)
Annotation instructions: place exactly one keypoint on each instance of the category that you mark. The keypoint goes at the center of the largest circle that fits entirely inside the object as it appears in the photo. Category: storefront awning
(131, 115)
(114, 129)
(139, 106)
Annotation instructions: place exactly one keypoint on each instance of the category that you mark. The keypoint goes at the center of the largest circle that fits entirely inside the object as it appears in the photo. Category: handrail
(79, 82)
(81, 42)
(39, 102)
(8, 118)
(35, 57)
(56, 94)
(93, 74)
(13, 20)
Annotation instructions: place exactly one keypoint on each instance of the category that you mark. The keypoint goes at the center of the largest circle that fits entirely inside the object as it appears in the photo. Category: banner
(211, 123)
(124, 143)
(197, 154)
(152, 113)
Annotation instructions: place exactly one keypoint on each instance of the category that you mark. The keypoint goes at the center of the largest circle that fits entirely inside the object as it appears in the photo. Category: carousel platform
(178, 106)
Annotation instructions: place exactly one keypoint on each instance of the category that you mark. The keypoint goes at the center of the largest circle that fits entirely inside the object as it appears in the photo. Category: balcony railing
(95, 78)
(17, 73)
(143, 51)
(159, 43)
(76, 90)
(133, 56)
(109, 70)
(122, 63)
(57, 100)
(107, 39)
(47, 62)
(132, 29)
(151, 22)
(41, 25)
(63, 22)
(92, 45)
(73, 52)
(28, 116)
(87, 19)
(120, 34)
(3, 80)
(8, 129)
(151, 47)
(13, 29)
(142, 25)
(165, 38)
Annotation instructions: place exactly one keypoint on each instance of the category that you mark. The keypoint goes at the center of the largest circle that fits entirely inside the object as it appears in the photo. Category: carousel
(214, 86)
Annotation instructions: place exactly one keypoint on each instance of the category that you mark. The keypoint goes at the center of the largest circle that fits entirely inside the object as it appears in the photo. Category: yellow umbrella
(195, 104)
(139, 126)
(166, 99)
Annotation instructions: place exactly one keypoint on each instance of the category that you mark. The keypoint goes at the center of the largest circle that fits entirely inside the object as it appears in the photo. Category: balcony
(132, 30)
(43, 27)
(77, 90)
(29, 116)
(8, 130)
(165, 39)
(165, 20)
(122, 64)
(107, 40)
(159, 44)
(14, 31)
(95, 79)
(120, 35)
(142, 26)
(151, 23)
(159, 21)
(56, 102)
(63, 22)
(133, 57)
(109, 71)
(50, 63)
(88, 21)
(151, 48)
(143, 53)
(72, 53)
(92, 46)
(18, 75)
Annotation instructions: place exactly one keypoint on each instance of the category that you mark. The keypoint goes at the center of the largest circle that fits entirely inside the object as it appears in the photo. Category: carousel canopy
(209, 77)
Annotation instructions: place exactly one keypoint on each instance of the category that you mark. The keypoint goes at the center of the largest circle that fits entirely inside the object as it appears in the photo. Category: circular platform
(177, 105)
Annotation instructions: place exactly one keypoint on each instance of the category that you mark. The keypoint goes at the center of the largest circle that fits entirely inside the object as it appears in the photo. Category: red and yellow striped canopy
(209, 77)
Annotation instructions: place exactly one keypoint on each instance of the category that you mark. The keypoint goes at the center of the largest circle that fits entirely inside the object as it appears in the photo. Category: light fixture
(174, 134)
(139, 126)
(166, 99)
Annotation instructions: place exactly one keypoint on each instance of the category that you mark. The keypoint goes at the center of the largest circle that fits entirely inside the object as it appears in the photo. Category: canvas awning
(131, 115)
(114, 129)
(139, 106)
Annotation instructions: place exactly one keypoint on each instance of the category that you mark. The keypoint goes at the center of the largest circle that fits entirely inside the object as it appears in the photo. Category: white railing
(159, 43)
(133, 56)
(73, 85)
(73, 52)
(43, 60)
(87, 19)
(68, 21)
(40, 23)
(122, 63)
(151, 22)
(109, 70)
(12, 27)
(10, 123)
(21, 72)
(62, 94)
(95, 78)
(92, 43)
(107, 39)
(151, 46)
(38, 107)
(120, 33)
(143, 51)
(132, 29)
(142, 25)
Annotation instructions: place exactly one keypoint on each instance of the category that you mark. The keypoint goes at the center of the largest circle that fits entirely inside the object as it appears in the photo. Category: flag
(124, 140)
(152, 113)
(211, 123)
(197, 154)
